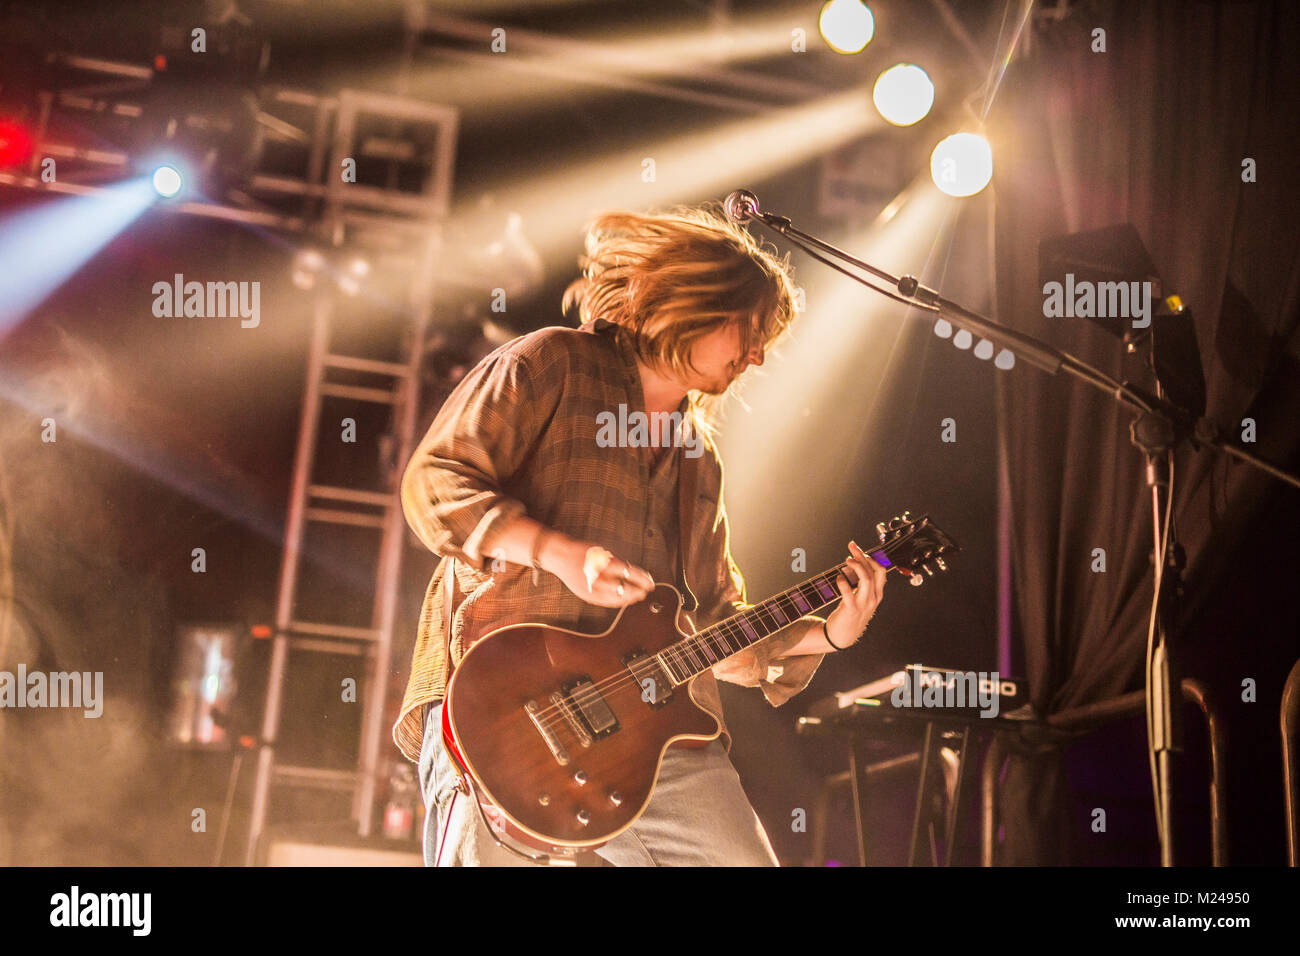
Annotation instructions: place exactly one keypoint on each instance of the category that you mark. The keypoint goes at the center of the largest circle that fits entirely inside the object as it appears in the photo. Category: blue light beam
(43, 247)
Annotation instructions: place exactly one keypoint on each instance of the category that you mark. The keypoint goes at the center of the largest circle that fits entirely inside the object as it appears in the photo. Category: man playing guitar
(540, 519)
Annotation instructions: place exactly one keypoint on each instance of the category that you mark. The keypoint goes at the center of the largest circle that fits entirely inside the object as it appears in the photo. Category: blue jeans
(698, 815)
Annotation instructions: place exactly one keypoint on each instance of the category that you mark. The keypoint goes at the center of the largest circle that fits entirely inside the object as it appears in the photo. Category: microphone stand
(1156, 430)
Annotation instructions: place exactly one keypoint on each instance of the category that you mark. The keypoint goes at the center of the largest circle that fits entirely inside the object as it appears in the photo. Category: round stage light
(167, 181)
(307, 264)
(847, 25)
(903, 94)
(962, 164)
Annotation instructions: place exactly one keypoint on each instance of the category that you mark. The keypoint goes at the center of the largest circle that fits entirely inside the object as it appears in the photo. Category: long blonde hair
(672, 278)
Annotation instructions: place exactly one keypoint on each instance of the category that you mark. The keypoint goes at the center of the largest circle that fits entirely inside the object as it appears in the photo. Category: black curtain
(1153, 132)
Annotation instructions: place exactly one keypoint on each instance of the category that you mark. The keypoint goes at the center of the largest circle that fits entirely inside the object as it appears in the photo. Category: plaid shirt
(519, 435)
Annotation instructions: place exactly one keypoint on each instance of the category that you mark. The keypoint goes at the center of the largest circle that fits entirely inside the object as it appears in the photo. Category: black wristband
(827, 634)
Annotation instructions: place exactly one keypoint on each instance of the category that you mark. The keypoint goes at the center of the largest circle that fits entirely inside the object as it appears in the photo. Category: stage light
(943, 328)
(962, 164)
(984, 350)
(43, 245)
(15, 144)
(962, 339)
(847, 25)
(903, 94)
(1006, 360)
(359, 267)
(167, 181)
(307, 264)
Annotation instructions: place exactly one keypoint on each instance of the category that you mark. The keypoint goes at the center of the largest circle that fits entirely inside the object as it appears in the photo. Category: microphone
(741, 205)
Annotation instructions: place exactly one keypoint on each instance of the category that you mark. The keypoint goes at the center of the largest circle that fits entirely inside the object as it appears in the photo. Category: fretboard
(708, 646)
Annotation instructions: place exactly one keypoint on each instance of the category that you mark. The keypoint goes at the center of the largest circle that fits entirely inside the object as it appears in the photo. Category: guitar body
(559, 735)
(515, 769)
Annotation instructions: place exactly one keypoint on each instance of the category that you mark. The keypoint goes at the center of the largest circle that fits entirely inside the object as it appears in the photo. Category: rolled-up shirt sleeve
(765, 664)
(452, 490)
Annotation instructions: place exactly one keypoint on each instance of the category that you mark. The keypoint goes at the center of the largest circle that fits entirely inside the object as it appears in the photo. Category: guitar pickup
(588, 706)
(655, 685)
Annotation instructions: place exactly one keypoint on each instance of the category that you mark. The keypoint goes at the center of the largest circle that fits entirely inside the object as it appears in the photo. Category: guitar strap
(687, 500)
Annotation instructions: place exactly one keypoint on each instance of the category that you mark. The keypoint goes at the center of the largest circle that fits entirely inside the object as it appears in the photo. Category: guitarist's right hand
(593, 573)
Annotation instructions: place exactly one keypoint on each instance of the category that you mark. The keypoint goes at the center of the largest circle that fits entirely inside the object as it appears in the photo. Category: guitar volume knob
(615, 797)
(580, 777)
(583, 817)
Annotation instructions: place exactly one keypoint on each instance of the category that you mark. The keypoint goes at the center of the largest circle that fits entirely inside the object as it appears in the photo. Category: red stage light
(15, 143)
(159, 63)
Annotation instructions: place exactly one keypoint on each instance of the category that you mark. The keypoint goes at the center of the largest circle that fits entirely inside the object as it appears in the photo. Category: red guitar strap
(448, 605)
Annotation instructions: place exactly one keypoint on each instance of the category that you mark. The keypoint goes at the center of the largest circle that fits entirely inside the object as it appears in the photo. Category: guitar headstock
(913, 546)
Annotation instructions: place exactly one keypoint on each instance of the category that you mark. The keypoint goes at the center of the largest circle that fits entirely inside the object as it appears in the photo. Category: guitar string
(678, 652)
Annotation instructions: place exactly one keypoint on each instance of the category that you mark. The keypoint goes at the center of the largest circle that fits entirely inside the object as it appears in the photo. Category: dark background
(184, 429)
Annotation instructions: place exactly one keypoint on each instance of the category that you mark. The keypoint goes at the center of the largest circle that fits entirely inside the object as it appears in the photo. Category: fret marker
(779, 614)
(801, 603)
(825, 588)
(749, 631)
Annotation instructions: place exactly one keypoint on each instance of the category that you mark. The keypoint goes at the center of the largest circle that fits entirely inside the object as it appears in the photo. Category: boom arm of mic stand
(1026, 347)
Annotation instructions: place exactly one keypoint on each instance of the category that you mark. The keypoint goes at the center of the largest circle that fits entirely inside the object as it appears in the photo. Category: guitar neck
(727, 638)
(908, 546)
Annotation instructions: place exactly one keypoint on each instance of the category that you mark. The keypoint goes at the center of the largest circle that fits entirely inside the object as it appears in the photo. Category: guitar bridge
(552, 742)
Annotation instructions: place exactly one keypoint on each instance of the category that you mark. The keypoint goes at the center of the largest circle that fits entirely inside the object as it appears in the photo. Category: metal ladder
(338, 505)
(420, 218)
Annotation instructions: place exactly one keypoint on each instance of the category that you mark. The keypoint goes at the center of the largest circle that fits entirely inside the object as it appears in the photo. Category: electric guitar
(559, 735)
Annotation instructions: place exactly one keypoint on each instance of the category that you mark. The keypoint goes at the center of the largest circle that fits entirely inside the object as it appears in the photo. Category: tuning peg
(907, 517)
(917, 580)
(881, 530)
(928, 572)
(943, 566)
